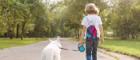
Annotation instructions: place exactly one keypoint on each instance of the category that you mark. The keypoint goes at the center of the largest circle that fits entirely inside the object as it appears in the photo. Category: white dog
(52, 50)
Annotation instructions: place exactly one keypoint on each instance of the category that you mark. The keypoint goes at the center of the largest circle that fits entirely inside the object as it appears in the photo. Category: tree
(18, 15)
(124, 19)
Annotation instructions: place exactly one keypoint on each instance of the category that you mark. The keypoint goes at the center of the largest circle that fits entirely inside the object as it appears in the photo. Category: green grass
(128, 47)
(6, 42)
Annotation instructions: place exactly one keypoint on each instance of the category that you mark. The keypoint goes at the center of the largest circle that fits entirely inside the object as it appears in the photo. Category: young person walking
(92, 31)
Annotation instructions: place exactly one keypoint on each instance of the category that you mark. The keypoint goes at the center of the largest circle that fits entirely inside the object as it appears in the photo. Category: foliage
(18, 16)
(124, 19)
(35, 18)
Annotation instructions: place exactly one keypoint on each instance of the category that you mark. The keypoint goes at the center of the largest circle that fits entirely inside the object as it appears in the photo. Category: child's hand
(81, 42)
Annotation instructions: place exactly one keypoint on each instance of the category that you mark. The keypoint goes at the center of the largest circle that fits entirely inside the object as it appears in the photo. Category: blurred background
(49, 18)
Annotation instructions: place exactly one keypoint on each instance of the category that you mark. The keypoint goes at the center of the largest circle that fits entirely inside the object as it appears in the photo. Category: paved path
(33, 52)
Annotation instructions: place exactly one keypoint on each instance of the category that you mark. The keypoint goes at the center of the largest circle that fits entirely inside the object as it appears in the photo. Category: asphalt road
(33, 52)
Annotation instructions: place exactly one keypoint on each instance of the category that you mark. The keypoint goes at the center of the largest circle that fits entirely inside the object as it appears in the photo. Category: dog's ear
(58, 38)
(50, 40)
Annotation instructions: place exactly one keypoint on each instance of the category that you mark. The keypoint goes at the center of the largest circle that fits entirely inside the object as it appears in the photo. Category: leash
(69, 49)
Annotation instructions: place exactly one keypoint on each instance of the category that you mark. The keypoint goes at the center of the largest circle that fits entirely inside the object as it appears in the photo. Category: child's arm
(82, 34)
(102, 33)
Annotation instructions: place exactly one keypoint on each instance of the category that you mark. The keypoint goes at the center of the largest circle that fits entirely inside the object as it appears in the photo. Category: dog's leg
(43, 56)
(57, 56)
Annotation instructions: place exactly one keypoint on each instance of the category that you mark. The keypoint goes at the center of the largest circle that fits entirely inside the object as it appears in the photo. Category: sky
(51, 1)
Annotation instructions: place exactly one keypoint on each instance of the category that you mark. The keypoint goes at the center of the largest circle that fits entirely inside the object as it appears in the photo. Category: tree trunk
(17, 31)
(23, 29)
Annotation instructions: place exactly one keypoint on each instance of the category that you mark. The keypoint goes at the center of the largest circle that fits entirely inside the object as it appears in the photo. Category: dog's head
(56, 41)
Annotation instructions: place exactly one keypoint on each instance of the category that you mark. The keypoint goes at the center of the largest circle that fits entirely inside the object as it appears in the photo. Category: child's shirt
(92, 20)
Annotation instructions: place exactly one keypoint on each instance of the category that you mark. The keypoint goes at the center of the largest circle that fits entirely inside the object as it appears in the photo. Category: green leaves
(17, 15)
(123, 18)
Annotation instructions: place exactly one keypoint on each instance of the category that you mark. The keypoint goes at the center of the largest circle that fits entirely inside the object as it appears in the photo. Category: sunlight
(51, 1)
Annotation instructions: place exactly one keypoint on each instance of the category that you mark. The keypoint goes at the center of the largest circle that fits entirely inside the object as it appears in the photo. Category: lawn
(128, 47)
(6, 42)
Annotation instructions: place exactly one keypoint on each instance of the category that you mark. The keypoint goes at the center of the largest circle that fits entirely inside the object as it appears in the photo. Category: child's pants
(91, 49)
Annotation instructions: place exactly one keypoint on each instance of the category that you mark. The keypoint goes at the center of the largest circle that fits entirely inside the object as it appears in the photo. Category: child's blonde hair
(91, 8)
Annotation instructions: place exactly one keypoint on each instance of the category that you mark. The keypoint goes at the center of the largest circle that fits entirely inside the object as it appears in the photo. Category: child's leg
(94, 50)
(88, 51)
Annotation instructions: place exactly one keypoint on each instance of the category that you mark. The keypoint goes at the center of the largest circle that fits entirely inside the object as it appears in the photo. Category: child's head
(91, 8)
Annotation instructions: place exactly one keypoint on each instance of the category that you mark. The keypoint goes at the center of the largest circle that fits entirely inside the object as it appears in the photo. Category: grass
(6, 42)
(128, 47)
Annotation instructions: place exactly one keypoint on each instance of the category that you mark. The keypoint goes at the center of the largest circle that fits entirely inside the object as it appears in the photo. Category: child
(92, 31)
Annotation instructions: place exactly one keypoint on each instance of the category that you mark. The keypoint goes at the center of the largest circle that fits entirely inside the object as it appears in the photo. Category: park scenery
(27, 26)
